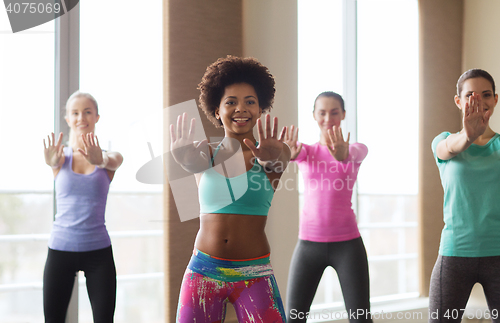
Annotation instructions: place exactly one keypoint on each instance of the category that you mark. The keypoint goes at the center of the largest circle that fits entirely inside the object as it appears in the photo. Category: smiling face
(480, 86)
(238, 109)
(328, 113)
(81, 115)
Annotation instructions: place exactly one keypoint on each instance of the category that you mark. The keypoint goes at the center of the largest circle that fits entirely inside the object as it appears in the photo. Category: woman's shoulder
(443, 134)
(440, 137)
(359, 145)
(357, 152)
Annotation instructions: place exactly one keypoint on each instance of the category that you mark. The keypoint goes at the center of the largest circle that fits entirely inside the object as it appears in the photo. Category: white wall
(270, 35)
(481, 45)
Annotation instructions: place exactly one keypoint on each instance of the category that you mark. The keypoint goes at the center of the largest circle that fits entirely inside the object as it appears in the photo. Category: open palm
(184, 150)
(291, 139)
(53, 152)
(270, 145)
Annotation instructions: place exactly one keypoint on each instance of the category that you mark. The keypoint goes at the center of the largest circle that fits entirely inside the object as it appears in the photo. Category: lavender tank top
(81, 202)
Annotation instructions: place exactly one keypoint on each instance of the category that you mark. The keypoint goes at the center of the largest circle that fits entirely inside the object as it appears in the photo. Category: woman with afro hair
(236, 180)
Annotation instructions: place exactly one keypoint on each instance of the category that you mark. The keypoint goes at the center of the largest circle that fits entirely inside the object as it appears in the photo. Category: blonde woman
(79, 240)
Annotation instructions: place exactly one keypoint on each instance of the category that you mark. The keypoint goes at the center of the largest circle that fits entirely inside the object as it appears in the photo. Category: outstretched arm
(95, 156)
(475, 121)
(272, 152)
(192, 156)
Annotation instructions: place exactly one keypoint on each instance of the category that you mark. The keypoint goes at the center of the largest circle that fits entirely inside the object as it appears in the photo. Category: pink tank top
(327, 214)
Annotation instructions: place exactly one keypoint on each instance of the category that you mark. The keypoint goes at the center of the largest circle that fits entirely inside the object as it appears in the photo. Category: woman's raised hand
(475, 118)
(185, 151)
(270, 145)
(291, 138)
(340, 147)
(54, 152)
(92, 152)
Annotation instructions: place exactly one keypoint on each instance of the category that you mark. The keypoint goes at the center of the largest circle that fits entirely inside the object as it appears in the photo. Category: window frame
(350, 74)
(67, 81)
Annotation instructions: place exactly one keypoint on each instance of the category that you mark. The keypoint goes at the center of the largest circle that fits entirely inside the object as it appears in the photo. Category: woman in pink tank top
(328, 233)
(79, 240)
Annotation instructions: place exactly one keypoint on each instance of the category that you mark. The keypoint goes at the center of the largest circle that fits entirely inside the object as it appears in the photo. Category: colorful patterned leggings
(204, 296)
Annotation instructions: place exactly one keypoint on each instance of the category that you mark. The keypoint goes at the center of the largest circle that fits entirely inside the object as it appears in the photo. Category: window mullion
(350, 64)
(349, 33)
(67, 65)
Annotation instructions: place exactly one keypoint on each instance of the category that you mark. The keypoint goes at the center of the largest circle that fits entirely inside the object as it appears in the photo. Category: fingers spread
(191, 130)
(85, 143)
(330, 135)
(275, 127)
(179, 126)
(282, 134)
(340, 135)
(260, 131)
(184, 125)
(82, 152)
(335, 133)
(471, 103)
(172, 133)
(59, 141)
(251, 146)
(268, 126)
(90, 138)
(289, 134)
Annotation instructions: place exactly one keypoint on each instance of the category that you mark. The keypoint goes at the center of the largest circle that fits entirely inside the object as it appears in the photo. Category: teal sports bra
(249, 193)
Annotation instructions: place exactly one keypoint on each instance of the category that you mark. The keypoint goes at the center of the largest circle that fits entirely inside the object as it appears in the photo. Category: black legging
(59, 276)
(310, 259)
(452, 281)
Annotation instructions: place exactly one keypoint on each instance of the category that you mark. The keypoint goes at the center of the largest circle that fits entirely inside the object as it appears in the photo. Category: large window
(385, 107)
(26, 183)
(387, 122)
(120, 63)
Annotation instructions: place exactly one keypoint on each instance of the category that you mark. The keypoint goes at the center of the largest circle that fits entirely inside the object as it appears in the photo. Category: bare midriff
(232, 236)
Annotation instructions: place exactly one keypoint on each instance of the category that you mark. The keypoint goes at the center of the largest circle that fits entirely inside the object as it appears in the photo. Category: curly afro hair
(231, 70)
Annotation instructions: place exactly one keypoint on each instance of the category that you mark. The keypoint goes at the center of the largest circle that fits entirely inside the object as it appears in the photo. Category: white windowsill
(411, 309)
(381, 310)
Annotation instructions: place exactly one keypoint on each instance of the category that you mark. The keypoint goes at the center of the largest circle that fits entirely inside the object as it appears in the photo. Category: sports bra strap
(217, 150)
(214, 154)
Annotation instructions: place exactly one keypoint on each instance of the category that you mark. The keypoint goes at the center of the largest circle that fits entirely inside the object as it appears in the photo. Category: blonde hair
(79, 94)
(76, 95)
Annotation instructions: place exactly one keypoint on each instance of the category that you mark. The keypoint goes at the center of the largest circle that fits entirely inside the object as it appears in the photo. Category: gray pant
(452, 280)
(310, 259)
